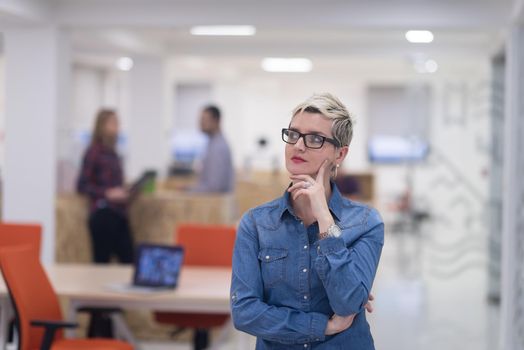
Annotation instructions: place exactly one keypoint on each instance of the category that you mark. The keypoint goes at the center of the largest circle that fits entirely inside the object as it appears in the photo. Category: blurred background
(435, 88)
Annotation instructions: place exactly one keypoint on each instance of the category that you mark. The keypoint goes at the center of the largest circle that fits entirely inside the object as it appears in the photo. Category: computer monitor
(395, 149)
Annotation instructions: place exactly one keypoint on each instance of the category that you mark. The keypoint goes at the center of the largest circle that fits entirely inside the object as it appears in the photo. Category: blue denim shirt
(286, 283)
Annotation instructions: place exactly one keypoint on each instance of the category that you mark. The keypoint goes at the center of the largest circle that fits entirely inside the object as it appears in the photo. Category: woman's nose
(300, 144)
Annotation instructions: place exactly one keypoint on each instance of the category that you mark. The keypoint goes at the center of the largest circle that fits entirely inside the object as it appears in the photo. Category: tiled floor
(430, 293)
(429, 298)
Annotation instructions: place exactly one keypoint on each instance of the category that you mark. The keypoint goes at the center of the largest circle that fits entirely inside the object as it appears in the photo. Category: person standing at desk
(101, 179)
(217, 174)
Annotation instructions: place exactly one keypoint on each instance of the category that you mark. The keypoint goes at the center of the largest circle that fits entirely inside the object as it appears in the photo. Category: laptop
(156, 268)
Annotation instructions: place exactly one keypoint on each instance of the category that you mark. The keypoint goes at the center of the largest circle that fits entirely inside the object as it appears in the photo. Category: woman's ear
(342, 152)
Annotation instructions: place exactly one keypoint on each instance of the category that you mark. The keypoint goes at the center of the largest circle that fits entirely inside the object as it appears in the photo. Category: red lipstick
(297, 159)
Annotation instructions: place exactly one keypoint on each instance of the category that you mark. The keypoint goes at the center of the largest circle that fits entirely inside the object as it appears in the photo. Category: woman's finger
(322, 171)
(369, 307)
(298, 194)
(302, 178)
(298, 185)
(371, 297)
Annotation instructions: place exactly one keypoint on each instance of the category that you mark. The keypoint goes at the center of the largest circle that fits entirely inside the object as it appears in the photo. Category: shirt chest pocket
(273, 265)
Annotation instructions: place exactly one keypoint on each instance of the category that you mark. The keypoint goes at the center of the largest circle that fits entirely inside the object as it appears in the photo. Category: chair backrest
(206, 245)
(31, 292)
(15, 234)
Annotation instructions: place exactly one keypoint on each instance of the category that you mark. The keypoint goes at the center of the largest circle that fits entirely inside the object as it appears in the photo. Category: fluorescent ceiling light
(224, 30)
(124, 64)
(431, 66)
(419, 36)
(426, 66)
(289, 65)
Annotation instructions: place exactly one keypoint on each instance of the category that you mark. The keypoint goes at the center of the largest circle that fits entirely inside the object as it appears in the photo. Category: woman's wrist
(325, 221)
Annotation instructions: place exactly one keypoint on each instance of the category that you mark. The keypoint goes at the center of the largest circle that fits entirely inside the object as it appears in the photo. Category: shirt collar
(334, 204)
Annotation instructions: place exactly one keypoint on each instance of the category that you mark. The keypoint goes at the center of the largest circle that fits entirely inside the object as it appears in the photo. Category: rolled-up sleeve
(347, 272)
(249, 311)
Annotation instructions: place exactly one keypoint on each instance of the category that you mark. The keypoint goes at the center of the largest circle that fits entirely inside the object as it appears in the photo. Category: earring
(336, 171)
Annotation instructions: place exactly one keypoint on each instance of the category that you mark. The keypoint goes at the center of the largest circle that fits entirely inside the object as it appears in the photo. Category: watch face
(334, 231)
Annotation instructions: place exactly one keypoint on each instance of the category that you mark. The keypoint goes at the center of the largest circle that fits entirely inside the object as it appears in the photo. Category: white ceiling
(282, 41)
(284, 27)
(285, 13)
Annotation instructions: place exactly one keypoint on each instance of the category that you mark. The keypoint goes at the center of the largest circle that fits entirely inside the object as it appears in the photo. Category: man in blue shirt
(217, 174)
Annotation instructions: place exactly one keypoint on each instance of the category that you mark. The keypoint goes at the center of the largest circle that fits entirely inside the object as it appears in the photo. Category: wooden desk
(199, 289)
(203, 290)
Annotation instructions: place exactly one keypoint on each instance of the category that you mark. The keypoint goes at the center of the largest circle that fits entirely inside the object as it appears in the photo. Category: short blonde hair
(330, 107)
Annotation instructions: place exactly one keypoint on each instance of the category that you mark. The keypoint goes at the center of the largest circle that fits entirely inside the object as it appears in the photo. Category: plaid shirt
(101, 170)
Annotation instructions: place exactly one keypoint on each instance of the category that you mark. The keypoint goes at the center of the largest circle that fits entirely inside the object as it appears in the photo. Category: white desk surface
(200, 289)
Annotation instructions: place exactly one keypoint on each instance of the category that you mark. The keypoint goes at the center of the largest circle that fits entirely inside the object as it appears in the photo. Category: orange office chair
(204, 245)
(14, 234)
(36, 305)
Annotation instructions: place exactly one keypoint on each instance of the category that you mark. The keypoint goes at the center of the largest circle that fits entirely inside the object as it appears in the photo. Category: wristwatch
(332, 231)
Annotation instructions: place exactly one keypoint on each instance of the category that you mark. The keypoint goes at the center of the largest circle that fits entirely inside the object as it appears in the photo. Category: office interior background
(437, 140)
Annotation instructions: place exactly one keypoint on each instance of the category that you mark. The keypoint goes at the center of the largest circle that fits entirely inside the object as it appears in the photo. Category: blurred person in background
(304, 264)
(217, 174)
(102, 180)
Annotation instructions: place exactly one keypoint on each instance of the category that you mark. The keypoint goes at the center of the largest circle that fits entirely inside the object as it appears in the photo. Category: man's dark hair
(214, 111)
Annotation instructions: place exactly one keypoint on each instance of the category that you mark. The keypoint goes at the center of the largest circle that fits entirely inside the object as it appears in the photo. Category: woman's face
(303, 160)
(111, 127)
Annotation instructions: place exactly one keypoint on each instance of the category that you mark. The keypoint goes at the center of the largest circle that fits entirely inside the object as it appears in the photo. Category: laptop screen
(158, 265)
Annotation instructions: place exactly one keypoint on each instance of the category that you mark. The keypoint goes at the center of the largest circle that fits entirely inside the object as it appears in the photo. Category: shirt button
(305, 297)
(305, 247)
(304, 270)
(301, 223)
(267, 257)
(305, 345)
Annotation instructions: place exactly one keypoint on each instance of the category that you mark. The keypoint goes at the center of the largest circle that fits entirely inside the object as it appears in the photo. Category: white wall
(88, 91)
(148, 137)
(2, 115)
(36, 99)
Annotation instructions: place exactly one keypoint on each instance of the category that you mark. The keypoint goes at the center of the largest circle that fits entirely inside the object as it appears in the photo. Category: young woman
(101, 179)
(304, 264)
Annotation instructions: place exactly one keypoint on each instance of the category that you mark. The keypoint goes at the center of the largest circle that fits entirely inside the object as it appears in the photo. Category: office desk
(203, 290)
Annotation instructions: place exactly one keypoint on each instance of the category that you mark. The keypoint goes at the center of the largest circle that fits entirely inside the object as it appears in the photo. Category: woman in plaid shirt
(101, 179)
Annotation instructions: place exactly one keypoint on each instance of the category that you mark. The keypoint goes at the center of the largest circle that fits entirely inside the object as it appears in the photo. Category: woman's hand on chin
(314, 189)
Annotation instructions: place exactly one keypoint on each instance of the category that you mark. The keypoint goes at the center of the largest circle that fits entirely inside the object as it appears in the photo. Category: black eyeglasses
(314, 141)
